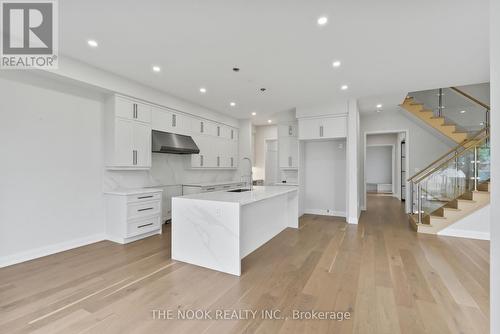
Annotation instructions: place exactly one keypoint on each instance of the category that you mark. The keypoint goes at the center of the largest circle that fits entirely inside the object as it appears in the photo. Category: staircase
(458, 183)
(447, 128)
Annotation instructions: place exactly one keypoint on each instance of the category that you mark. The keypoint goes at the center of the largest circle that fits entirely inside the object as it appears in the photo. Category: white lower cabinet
(132, 216)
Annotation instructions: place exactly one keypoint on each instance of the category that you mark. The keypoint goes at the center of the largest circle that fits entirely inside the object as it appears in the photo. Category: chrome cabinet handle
(289, 130)
(201, 127)
(218, 161)
(174, 120)
(218, 131)
(232, 134)
(143, 197)
(141, 226)
(201, 160)
(134, 157)
(321, 130)
(210, 189)
(145, 209)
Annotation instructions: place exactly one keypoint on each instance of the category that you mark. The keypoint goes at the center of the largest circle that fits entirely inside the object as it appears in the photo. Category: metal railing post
(419, 203)
(476, 171)
(412, 204)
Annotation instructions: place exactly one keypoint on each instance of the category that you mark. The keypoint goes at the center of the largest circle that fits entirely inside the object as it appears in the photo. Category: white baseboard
(323, 212)
(48, 250)
(465, 234)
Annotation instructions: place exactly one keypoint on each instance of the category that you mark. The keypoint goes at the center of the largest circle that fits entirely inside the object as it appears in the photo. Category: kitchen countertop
(135, 191)
(257, 194)
(287, 184)
(210, 184)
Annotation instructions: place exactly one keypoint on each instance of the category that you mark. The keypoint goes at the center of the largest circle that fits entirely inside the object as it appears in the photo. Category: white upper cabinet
(168, 120)
(323, 127)
(127, 134)
(288, 146)
(132, 109)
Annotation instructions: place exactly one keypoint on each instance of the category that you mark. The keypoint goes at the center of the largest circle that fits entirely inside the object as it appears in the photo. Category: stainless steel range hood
(166, 142)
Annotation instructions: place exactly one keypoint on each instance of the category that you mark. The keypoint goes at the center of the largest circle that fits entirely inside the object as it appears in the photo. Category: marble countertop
(258, 193)
(135, 191)
(210, 184)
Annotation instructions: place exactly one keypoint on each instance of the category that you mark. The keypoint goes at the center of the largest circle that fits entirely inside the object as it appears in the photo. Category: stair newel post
(419, 202)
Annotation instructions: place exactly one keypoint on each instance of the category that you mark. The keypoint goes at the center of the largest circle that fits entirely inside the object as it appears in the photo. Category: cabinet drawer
(137, 227)
(144, 197)
(142, 209)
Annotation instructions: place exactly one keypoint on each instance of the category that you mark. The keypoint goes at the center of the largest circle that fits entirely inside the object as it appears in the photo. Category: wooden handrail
(453, 150)
(461, 92)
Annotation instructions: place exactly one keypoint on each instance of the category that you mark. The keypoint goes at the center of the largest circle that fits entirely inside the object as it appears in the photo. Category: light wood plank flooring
(390, 278)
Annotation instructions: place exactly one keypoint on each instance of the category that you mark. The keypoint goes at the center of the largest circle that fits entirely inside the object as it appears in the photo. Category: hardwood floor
(390, 279)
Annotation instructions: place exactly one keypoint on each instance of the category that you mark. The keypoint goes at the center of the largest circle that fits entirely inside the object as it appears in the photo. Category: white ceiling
(386, 47)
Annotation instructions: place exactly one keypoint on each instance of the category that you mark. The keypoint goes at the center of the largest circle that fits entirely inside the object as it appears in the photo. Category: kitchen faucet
(250, 176)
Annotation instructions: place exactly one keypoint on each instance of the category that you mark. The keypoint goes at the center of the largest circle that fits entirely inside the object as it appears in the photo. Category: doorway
(386, 160)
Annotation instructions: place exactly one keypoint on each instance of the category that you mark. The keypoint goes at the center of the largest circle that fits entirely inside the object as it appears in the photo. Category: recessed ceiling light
(322, 20)
(254, 113)
(269, 121)
(379, 106)
(463, 111)
(203, 90)
(344, 87)
(156, 68)
(336, 63)
(92, 43)
(232, 104)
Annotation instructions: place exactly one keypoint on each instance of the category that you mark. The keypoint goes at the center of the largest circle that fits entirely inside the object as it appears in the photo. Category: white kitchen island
(218, 229)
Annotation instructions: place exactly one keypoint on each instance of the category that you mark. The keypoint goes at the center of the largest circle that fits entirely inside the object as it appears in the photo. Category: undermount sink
(238, 190)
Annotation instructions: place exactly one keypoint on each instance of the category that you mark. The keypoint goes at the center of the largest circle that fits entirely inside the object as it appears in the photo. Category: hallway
(389, 278)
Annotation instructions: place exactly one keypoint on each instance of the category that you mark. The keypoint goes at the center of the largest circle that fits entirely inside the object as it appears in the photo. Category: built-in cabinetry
(323, 127)
(128, 124)
(218, 143)
(127, 131)
(133, 214)
(288, 146)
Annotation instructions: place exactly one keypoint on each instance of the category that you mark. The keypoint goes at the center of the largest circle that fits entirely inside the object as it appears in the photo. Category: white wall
(262, 133)
(495, 165)
(51, 170)
(324, 171)
(424, 146)
(338, 107)
(379, 164)
(476, 225)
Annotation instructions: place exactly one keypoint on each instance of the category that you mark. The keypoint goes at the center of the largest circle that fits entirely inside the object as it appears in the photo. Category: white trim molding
(465, 234)
(49, 250)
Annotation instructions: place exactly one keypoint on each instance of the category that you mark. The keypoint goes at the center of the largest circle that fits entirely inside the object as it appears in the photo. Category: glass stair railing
(453, 177)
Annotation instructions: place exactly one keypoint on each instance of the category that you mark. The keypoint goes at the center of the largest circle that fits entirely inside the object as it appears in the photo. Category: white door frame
(407, 164)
